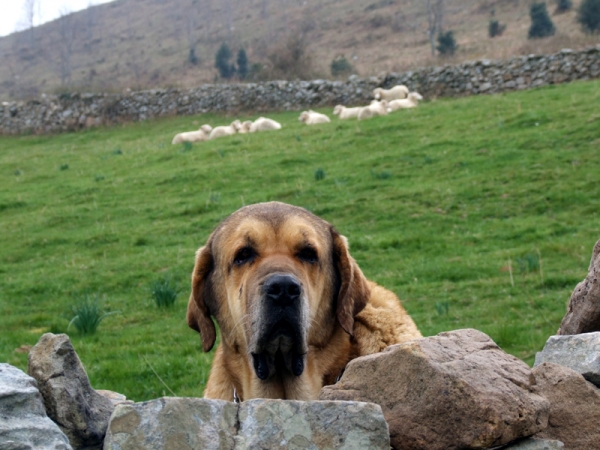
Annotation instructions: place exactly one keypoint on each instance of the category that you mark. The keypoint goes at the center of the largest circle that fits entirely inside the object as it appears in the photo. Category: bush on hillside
(192, 57)
(446, 43)
(226, 70)
(242, 64)
(541, 24)
(563, 6)
(496, 28)
(588, 15)
(291, 59)
(340, 66)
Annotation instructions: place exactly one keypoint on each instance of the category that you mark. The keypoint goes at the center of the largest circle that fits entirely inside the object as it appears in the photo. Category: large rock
(69, 399)
(24, 424)
(583, 312)
(193, 423)
(536, 444)
(574, 407)
(580, 352)
(454, 390)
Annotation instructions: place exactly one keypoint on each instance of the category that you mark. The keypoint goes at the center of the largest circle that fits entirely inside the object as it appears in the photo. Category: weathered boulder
(536, 444)
(574, 407)
(80, 412)
(583, 312)
(454, 390)
(24, 424)
(579, 352)
(190, 423)
(280, 425)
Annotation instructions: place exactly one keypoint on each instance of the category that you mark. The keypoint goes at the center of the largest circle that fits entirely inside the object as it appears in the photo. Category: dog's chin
(281, 351)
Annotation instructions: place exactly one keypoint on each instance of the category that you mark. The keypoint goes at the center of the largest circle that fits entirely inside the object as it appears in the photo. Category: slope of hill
(146, 43)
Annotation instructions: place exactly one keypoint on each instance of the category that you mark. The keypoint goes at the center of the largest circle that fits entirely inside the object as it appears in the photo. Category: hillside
(478, 212)
(146, 43)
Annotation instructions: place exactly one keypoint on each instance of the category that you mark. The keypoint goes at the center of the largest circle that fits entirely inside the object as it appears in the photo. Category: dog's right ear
(199, 312)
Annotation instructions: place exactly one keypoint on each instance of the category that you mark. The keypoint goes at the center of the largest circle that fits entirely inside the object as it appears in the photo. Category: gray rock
(80, 412)
(454, 390)
(24, 424)
(192, 423)
(536, 444)
(580, 352)
(279, 425)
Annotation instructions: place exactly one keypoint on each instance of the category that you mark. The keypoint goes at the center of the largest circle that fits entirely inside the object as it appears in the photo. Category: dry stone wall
(50, 114)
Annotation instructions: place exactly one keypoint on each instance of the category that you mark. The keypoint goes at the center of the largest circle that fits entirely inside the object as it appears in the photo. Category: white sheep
(395, 93)
(193, 136)
(411, 102)
(310, 117)
(228, 130)
(245, 127)
(374, 109)
(346, 113)
(264, 124)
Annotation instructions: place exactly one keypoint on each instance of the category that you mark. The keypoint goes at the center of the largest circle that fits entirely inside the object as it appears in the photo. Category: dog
(292, 305)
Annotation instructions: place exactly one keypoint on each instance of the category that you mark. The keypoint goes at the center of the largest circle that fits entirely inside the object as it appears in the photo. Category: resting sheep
(395, 93)
(264, 124)
(374, 109)
(411, 102)
(346, 113)
(310, 117)
(193, 136)
(245, 127)
(228, 130)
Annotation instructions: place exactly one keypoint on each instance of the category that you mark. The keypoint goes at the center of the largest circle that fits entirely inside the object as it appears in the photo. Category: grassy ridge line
(437, 203)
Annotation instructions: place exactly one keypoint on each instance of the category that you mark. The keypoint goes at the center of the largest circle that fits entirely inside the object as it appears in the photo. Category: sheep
(346, 113)
(310, 117)
(193, 136)
(228, 130)
(410, 102)
(395, 93)
(245, 127)
(374, 109)
(264, 124)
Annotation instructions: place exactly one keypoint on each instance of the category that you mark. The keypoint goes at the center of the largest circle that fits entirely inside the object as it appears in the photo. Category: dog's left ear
(354, 290)
(202, 297)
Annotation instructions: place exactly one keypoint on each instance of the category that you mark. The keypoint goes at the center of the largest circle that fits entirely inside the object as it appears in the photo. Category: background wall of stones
(50, 114)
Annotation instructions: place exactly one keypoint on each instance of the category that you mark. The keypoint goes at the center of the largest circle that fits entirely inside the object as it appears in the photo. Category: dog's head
(277, 279)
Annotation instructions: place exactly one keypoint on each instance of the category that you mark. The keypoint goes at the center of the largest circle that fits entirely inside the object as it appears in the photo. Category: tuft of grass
(319, 174)
(63, 167)
(88, 314)
(383, 175)
(442, 308)
(186, 146)
(528, 263)
(117, 151)
(164, 291)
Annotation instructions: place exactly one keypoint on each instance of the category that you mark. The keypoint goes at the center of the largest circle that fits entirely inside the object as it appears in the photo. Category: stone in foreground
(574, 407)
(583, 312)
(191, 423)
(454, 390)
(24, 424)
(281, 425)
(70, 401)
(536, 444)
(579, 352)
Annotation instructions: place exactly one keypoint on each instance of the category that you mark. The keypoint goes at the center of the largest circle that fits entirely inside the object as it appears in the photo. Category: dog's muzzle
(280, 346)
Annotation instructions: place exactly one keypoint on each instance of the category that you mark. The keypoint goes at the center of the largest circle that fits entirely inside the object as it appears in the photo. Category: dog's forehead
(273, 221)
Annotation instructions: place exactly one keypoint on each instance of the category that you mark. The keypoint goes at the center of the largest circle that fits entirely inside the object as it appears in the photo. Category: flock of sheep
(386, 101)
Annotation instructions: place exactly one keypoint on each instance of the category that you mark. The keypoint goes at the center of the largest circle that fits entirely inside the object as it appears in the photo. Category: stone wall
(50, 114)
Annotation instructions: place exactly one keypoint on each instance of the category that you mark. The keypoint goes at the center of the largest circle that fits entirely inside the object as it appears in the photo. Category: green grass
(437, 203)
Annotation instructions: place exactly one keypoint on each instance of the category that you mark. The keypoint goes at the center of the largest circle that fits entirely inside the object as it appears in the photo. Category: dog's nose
(282, 289)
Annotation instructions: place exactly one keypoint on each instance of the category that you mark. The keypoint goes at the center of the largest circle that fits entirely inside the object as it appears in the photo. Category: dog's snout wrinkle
(282, 289)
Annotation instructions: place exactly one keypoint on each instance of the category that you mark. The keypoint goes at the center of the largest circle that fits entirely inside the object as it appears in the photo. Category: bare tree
(31, 9)
(66, 30)
(435, 16)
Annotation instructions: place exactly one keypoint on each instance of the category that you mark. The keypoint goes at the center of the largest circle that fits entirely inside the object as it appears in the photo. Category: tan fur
(347, 315)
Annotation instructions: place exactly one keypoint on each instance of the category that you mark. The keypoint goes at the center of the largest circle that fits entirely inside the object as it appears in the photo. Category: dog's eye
(244, 255)
(308, 254)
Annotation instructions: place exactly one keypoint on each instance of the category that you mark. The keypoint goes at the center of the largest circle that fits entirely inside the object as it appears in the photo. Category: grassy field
(478, 212)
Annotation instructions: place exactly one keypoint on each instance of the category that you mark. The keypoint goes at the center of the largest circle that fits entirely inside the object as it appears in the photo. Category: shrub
(291, 59)
(446, 43)
(588, 15)
(226, 70)
(242, 64)
(340, 66)
(563, 6)
(192, 57)
(164, 291)
(88, 314)
(495, 28)
(541, 24)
